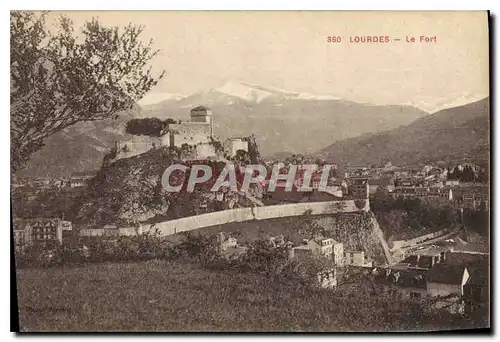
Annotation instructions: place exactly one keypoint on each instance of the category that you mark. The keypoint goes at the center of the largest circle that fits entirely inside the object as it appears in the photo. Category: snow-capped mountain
(285, 120)
(244, 91)
(433, 105)
(230, 92)
(155, 98)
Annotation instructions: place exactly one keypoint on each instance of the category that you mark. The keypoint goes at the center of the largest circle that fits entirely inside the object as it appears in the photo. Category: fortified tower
(204, 115)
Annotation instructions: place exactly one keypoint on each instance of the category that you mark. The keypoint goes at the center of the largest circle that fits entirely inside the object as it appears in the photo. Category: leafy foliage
(148, 126)
(406, 218)
(465, 175)
(59, 79)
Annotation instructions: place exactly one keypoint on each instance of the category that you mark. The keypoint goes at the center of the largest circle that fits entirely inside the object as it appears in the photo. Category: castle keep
(198, 133)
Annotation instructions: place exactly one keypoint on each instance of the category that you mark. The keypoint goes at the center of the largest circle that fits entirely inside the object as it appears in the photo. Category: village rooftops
(421, 261)
(408, 278)
(380, 181)
(444, 273)
(43, 220)
(201, 109)
(406, 190)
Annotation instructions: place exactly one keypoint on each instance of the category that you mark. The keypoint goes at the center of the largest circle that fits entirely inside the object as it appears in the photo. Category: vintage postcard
(250, 171)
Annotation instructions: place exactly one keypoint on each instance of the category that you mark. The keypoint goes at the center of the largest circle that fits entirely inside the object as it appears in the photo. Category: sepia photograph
(250, 171)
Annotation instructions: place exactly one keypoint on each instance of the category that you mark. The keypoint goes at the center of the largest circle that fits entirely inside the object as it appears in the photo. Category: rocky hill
(127, 191)
(130, 190)
(454, 134)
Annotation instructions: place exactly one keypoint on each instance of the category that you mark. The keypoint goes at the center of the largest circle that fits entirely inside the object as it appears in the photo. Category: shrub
(147, 126)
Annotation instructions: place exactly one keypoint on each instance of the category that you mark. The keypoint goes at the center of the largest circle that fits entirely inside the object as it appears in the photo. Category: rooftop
(200, 109)
(445, 273)
(381, 181)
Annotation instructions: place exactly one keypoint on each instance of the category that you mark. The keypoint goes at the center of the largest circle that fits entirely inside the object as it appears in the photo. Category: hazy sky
(289, 50)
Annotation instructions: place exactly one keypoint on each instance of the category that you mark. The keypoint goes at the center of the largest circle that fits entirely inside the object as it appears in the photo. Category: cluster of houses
(76, 180)
(45, 232)
(427, 183)
(325, 248)
(454, 277)
(50, 233)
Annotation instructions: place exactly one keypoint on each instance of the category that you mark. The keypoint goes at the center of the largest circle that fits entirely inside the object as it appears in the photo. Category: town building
(356, 258)
(452, 182)
(80, 179)
(403, 283)
(327, 279)
(233, 145)
(19, 240)
(406, 181)
(198, 132)
(320, 247)
(405, 192)
(225, 242)
(445, 279)
(356, 170)
(386, 184)
(45, 232)
(359, 189)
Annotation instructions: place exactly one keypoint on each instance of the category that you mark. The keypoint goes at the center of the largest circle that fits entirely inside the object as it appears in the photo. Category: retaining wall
(256, 213)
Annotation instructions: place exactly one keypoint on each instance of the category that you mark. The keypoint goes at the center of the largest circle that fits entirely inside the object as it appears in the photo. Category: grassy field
(166, 296)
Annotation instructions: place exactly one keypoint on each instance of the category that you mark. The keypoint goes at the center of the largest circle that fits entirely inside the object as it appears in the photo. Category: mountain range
(80, 147)
(458, 134)
(282, 121)
(285, 121)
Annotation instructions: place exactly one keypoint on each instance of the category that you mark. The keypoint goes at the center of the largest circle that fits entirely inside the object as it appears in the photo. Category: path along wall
(419, 239)
(256, 213)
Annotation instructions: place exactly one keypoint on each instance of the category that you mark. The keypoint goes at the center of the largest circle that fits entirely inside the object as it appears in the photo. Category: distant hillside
(454, 134)
(77, 148)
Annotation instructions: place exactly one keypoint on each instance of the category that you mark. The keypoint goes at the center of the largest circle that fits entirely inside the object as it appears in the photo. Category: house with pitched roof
(386, 183)
(446, 279)
(44, 231)
(320, 247)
